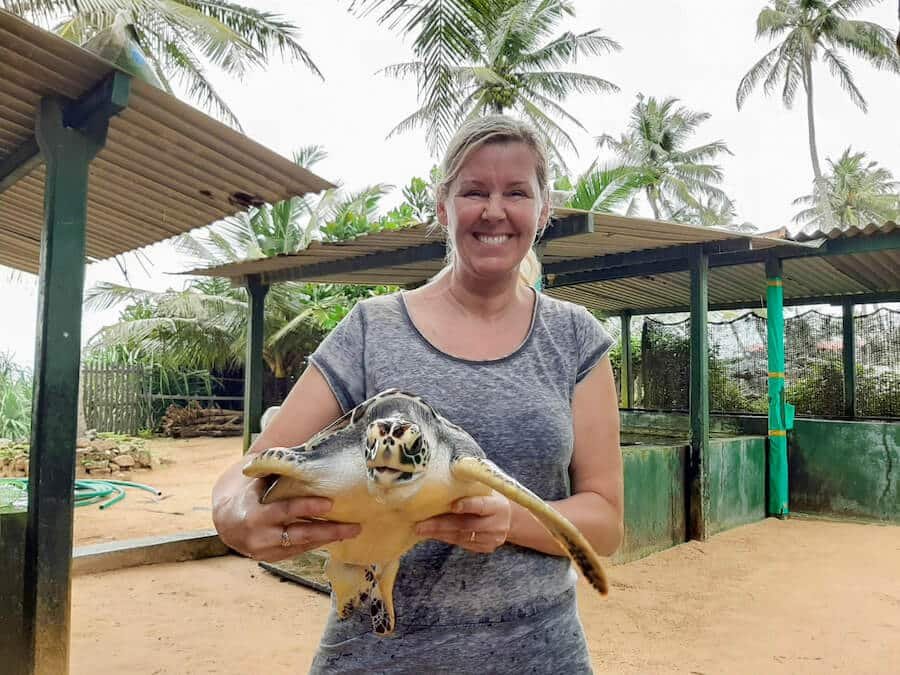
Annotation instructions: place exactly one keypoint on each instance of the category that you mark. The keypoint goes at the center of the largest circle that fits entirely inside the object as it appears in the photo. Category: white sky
(695, 50)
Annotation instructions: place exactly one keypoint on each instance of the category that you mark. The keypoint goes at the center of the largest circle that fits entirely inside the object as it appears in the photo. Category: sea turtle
(388, 463)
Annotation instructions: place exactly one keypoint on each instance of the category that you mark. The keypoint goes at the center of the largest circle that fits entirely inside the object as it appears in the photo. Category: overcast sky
(695, 50)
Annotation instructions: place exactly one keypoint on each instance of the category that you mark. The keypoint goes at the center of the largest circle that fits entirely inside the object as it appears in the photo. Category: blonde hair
(495, 129)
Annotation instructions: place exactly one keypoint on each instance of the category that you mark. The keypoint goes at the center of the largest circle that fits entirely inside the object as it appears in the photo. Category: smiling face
(493, 209)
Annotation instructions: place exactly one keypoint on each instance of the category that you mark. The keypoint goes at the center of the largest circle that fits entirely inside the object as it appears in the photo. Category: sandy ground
(800, 596)
(186, 477)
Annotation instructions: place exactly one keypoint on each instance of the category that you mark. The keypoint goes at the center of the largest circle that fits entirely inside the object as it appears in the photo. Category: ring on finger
(472, 537)
(286, 539)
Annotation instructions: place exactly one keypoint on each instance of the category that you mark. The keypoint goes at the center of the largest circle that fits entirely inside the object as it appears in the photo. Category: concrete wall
(849, 469)
(737, 482)
(654, 499)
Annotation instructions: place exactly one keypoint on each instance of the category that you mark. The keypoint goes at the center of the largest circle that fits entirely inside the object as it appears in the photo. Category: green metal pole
(778, 423)
(849, 355)
(253, 367)
(46, 603)
(627, 363)
(698, 471)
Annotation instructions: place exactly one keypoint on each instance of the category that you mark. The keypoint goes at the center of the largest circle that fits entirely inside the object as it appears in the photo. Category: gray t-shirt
(517, 407)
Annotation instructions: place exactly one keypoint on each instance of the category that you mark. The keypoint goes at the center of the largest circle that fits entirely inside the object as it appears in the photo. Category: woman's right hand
(258, 530)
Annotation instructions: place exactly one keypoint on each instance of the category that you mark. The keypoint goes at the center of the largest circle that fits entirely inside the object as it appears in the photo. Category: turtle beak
(396, 452)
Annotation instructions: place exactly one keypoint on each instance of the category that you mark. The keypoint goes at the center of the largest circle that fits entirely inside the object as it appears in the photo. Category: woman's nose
(494, 210)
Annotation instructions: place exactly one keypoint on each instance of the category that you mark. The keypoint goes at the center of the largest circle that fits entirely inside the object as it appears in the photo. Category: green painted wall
(12, 586)
(654, 500)
(849, 469)
(737, 482)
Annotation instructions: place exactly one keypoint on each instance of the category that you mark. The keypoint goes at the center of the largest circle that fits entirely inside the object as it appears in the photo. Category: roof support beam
(698, 455)
(46, 592)
(779, 422)
(88, 114)
(656, 255)
(253, 364)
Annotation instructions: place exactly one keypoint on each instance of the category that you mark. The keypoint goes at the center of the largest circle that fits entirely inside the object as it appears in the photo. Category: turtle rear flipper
(573, 542)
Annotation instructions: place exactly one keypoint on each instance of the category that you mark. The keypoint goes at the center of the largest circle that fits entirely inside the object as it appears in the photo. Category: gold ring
(472, 536)
(286, 539)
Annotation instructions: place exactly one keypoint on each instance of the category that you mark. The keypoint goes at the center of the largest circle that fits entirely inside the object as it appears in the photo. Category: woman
(526, 375)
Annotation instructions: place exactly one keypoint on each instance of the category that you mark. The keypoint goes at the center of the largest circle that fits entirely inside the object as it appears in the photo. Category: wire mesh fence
(738, 364)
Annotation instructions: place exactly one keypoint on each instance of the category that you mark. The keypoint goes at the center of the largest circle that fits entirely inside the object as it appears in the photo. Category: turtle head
(396, 452)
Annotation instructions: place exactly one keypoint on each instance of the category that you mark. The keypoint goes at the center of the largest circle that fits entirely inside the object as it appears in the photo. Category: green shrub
(15, 400)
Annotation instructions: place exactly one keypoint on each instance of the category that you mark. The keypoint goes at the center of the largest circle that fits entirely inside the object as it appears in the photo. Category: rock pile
(96, 455)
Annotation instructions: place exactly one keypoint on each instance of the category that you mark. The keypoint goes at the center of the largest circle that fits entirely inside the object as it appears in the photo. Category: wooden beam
(46, 603)
(698, 460)
(849, 359)
(253, 364)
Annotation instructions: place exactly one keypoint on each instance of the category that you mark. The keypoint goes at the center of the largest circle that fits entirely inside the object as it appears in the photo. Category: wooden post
(849, 356)
(627, 363)
(69, 136)
(253, 366)
(777, 458)
(698, 471)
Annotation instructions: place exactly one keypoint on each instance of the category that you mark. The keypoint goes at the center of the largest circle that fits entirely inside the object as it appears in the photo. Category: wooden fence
(114, 399)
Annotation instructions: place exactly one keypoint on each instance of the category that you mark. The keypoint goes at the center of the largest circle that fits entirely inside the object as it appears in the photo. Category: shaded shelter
(93, 163)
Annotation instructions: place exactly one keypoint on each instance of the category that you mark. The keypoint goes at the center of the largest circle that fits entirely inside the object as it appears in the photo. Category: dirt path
(800, 596)
(186, 477)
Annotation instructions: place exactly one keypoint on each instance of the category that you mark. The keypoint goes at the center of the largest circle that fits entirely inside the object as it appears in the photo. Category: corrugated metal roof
(166, 168)
(817, 231)
(742, 285)
(611, 234)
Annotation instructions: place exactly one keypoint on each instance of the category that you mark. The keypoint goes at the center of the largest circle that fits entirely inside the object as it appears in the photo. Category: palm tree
(854, 192)
(604, 189)
(814, 29)
(497, 56)
(178, 37)
(673, 176)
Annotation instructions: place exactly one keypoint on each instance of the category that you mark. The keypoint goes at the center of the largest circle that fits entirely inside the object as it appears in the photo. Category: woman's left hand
(479, 524)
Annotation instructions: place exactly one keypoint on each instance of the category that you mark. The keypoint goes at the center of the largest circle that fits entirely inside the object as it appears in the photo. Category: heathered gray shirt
(519, 602)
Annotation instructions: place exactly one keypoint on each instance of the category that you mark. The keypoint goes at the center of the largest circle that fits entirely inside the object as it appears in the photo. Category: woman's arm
(596, 504)
(256, 529)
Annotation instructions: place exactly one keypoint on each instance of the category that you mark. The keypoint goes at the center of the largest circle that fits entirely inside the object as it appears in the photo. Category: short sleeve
(594, 342)
(340, 357)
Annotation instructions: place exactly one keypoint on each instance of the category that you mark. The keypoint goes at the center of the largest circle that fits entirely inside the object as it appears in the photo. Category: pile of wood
(192, 421)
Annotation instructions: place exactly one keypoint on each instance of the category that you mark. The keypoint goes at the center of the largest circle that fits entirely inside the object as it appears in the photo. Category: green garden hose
(89, 491)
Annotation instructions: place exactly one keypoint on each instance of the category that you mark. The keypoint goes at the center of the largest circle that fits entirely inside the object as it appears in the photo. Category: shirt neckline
(460, 359)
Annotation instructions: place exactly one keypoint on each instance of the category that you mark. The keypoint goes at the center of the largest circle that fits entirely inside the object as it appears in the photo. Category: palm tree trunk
(652, 201)
(813, 153)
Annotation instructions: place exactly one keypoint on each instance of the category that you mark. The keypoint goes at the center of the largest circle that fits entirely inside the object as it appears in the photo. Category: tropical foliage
(810, 30)
(855, 191)
(15, 400)
(679, 182)
(179, 37)
(494, 56)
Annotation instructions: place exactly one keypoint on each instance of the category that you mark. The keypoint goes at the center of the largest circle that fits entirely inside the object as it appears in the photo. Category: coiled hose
(87, 491)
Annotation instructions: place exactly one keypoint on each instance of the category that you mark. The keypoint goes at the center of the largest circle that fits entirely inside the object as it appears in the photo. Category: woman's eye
(473, 193)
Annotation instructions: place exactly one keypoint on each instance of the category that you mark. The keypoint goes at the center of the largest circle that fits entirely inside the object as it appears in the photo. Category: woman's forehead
(509, 161)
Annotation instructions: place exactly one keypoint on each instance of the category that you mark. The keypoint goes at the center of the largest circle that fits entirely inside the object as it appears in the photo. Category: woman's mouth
(493, 239)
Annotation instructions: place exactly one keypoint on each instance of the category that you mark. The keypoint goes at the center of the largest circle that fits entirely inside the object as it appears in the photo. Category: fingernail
(458, 507)
(423, 529)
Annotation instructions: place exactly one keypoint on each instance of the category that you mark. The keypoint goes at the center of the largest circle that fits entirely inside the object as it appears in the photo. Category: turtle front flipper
(573, 542)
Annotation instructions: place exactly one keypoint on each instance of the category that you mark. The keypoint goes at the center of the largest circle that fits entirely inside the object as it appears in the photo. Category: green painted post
(627, 363)
(253, 366)
(698, 469)
(778, 423)
(849, 356)
(46, 602)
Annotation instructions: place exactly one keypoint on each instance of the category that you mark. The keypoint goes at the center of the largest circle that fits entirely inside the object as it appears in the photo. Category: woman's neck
(478, 297)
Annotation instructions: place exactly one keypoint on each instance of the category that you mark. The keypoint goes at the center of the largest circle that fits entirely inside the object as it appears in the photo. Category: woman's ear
(441, 209)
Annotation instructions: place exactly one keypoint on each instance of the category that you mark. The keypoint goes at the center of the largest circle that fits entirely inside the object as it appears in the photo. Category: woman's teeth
(493, 239)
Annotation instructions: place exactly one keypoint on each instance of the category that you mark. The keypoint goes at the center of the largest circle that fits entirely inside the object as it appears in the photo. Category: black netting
(878, 364)
(813, 359)
(738, 364)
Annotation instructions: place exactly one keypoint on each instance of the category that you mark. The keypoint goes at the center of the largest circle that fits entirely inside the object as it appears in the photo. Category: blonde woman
(526, 375)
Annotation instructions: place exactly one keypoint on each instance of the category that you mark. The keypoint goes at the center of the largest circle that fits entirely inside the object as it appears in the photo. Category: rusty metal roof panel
(837, 231)
(166, 168)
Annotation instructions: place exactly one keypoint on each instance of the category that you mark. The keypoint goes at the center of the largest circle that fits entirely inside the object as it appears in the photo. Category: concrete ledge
(115, 555)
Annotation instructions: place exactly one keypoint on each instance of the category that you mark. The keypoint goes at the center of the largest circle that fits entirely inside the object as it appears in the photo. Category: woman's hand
(479, 524)
(276, 531)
